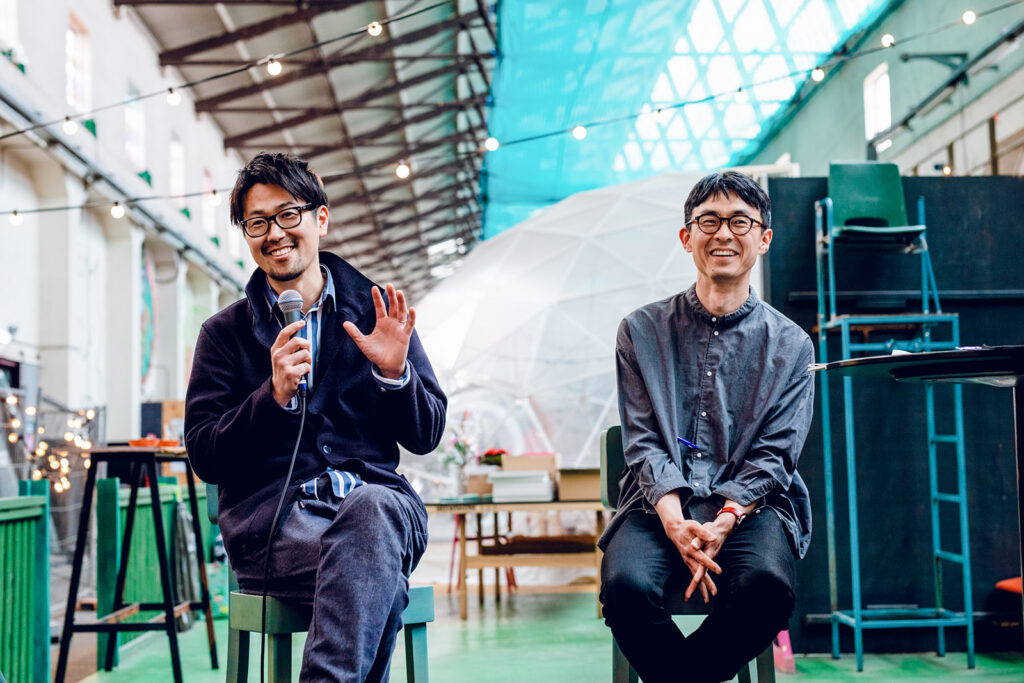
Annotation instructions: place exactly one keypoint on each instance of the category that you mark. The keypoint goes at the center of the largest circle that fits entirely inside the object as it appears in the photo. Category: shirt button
(703, 413)
(716, 333)
(327, 448)
(709, 373)
(714, 319)
(699, 454)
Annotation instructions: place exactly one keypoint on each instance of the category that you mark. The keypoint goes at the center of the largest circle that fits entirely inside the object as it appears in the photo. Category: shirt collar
(707, 316)
(326, 294)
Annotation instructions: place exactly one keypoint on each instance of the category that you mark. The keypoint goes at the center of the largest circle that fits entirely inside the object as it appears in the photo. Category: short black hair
(730, 182)
(288, 172)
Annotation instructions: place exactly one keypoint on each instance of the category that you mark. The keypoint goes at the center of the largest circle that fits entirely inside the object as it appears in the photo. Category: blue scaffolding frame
(928, 321)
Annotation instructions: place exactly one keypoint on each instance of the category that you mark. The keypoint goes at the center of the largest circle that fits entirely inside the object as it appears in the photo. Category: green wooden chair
(284, 619)
(761, 669)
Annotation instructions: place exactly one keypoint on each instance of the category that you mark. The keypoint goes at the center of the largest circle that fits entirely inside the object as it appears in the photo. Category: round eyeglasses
(710, 223)
(285, 218)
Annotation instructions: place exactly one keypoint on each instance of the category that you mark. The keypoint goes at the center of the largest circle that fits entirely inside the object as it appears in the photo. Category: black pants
(641, 567)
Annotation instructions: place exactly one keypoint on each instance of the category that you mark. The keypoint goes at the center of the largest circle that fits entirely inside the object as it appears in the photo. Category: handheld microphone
(290, 303)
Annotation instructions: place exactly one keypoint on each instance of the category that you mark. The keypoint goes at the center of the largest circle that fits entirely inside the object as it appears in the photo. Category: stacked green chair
(613, 463)
(284, 619)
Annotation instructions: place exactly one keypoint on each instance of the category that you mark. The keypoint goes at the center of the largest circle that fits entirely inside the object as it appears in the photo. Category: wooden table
(480, 561)
(143, 463)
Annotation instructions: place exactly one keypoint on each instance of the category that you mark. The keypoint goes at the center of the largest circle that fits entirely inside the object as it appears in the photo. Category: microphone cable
(273, 530)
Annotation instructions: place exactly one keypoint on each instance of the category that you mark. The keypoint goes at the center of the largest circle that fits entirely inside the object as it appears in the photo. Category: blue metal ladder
(928, 323)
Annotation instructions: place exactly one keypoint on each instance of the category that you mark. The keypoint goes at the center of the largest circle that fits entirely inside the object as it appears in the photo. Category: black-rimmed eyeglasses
(710, 223)
(285, 218)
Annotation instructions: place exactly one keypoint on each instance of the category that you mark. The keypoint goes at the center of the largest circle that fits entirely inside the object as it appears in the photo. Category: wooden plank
(485, 508)
(588, 559)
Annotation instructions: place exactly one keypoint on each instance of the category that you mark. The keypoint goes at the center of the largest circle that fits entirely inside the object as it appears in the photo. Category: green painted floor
(544, 637)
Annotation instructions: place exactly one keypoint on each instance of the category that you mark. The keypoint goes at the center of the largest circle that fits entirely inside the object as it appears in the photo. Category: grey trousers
(351, 559)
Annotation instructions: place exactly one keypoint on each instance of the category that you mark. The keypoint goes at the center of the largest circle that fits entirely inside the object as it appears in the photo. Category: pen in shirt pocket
(687, 443)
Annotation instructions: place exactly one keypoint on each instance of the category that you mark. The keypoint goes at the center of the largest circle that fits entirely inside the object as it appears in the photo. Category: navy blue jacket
(239, 437)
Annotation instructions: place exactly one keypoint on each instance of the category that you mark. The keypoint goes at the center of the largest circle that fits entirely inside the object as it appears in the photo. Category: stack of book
(524, 486)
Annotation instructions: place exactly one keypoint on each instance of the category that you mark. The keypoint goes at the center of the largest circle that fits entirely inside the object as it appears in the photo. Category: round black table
(998, 366)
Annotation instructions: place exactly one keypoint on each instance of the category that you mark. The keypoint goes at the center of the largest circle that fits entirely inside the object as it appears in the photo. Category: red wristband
(738, 514)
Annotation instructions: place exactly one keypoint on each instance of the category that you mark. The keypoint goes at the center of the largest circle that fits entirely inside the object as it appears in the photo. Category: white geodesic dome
(522, 335)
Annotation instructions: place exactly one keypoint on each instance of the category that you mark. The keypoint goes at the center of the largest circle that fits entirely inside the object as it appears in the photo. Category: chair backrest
(612, 464)
(211, 502)
(867, 193)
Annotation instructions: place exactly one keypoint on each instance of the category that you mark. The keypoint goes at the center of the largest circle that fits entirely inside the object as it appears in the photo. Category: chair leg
(279, 658)
(416, 653)
(238, 656)
(622, 672)
(766, 666)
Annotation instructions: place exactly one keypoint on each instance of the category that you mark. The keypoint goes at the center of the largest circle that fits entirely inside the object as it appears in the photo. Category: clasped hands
(386, 346)
(698, 544)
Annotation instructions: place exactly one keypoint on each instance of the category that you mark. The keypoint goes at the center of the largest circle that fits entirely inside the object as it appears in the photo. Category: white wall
(71, 281)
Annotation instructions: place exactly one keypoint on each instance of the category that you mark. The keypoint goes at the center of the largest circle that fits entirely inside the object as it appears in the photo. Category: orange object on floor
(1011, 585)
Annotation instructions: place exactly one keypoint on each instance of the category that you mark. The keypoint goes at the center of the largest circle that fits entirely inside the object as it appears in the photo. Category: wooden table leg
(463, 589)
(480, 551)
(497, 570)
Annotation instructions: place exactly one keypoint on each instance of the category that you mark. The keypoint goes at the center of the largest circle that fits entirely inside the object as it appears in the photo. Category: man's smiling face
(284, 255)
(723, 257)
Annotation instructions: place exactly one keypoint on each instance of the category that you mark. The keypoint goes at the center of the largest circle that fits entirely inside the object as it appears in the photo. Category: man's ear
(684, 237)
(322, 216)
(766, 240)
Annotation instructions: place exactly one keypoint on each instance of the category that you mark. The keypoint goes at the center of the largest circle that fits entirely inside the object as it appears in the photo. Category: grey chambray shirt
(738, 387)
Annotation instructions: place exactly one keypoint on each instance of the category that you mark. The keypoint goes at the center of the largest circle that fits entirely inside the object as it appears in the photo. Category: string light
(30, 411)
(888, 40)
(37, 475)
(16, 218)
(818, 75)
(491, 144)
(741, 96)
(91, 414)
(579, 132)
(117, 211)
(214, 200)
(68, 436)
(11, 399)
(70, 126)
(274, 67)
(947, 170)
(402, 170)
(12, 437)
(16, 423)
(173, 98)
(969, 17)
(374, 29)
(41, 430)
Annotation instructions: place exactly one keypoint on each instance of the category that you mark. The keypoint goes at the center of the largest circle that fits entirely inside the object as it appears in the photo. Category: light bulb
(214, 199)
(57, 487)
(173, 98)
(375, 29)
(741, 96)
(15, 423)
(16, 218)
(70, 126)
(969, 17)
(117, 211)
(41, 430)
(274, 67)
(888, 40)
(90, 414)
(43, 444)
(36, 475)
(491, 144)
(402, 170)
(87, 463)
(818, 75)
(30, 411)
(12, 437)
(11, 399)
(68, 436)
(579, 132)
(947, 170)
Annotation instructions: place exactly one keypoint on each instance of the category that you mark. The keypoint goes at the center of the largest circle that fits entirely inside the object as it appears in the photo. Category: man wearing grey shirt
(715, 399)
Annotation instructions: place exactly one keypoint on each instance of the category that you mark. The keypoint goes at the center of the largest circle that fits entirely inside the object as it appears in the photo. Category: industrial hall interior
(511, 340)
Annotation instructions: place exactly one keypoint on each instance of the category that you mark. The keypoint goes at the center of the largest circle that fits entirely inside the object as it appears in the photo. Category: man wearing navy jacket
(352, 529)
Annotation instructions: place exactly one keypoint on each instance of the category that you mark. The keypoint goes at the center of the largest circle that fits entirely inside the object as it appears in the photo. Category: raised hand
(388, 344)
